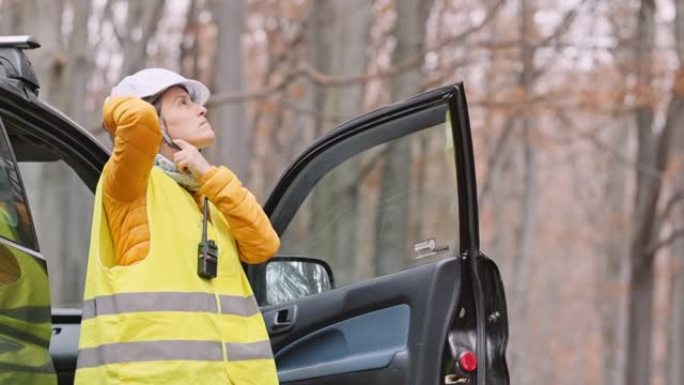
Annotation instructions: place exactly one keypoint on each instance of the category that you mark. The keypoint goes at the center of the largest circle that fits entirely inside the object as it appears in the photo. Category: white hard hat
(152, 81)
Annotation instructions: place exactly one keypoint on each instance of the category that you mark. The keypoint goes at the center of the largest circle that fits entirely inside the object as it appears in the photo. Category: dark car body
(420, 321)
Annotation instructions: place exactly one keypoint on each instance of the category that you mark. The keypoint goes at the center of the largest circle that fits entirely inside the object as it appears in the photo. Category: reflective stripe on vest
(163, 301)
(25, 336)
(156, 321)
(32, 314)
(172, 350)
(46, 368)
(248, 351)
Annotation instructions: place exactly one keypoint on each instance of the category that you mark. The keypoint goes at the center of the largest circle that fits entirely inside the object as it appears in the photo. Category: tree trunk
(611, 301)
(525, 227)
(142, 20)
(75, 204)
(392, 231)
(675, 358)
(652, 154)
(78, 68)
(321, 40)
(640, 323)
(338, 41)
(233, 146)
(37, 18)
(189, 55)
(528, 213)
(640, 301)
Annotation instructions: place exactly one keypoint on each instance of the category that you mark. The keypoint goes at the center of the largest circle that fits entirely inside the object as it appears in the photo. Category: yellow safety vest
(25, 320)
(157, 321)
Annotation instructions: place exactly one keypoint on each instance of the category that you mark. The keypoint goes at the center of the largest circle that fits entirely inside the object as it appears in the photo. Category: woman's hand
(190, 159)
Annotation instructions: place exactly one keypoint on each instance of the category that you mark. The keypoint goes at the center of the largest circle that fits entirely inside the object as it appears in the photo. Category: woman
(152, 312)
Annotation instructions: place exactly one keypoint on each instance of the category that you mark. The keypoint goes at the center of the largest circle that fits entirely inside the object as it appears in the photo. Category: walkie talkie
(207, 260)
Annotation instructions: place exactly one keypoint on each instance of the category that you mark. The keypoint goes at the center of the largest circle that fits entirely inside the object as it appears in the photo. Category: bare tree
(142, 20)
(409, 30)
(234, 144)
(674, 211)
(523, 164)
(653, 147)
(338, 35)
(675, 356)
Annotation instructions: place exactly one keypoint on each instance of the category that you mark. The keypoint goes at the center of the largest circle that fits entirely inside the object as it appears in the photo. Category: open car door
(381, 279)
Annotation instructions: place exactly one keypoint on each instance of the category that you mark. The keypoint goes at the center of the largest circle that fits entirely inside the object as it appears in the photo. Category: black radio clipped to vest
(207, 259)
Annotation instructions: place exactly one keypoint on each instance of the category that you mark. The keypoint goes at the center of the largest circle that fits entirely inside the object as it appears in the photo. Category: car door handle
(283, 319)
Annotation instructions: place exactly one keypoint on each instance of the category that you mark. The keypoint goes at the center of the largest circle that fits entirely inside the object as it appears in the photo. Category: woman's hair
(154, 100)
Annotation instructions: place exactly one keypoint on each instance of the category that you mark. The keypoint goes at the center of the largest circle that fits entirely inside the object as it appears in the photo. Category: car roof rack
(15, 62)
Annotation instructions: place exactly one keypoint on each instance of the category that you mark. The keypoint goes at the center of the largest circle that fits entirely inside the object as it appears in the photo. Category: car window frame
(38, 121)
(35, 122)
(380, 126)
(5, 142)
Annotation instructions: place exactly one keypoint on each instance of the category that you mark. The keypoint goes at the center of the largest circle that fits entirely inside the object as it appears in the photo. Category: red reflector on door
(467, 361)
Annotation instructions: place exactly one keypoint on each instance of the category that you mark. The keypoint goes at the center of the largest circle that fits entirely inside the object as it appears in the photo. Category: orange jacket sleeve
(137, 136)
(256, 239)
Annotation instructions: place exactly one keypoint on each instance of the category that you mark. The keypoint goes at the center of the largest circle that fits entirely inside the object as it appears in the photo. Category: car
(380, 278)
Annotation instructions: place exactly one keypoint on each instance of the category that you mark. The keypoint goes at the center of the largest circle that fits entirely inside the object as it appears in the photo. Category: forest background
(577, 111)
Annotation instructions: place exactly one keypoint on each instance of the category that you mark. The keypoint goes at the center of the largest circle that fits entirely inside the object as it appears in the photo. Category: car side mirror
(291, 278)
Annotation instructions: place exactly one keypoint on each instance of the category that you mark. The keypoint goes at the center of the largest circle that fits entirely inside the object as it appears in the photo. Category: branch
(503, 138)
(189, 53)
(679, 233)
(446, 72)
(494, 156)
(461, 36)
(322, 79)
(568, 19)
(326, 118)
(642, 167)
(513, 107)
(108, 14)
(306, 71)
(236, 97)
(669, 206)
(150, 21)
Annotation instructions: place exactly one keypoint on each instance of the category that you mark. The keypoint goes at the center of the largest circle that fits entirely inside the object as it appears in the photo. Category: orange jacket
(137, 137)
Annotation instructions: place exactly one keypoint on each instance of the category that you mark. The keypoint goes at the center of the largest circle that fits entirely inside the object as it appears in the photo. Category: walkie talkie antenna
(207, 265)
(205, 220)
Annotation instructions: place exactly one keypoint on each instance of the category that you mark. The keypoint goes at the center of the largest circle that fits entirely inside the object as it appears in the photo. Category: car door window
(61, 205)
(25, 326)
(15, 220)
(384, 210)
(61, 209)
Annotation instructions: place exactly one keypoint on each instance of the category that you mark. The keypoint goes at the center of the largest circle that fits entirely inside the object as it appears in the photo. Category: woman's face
(185, 119)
